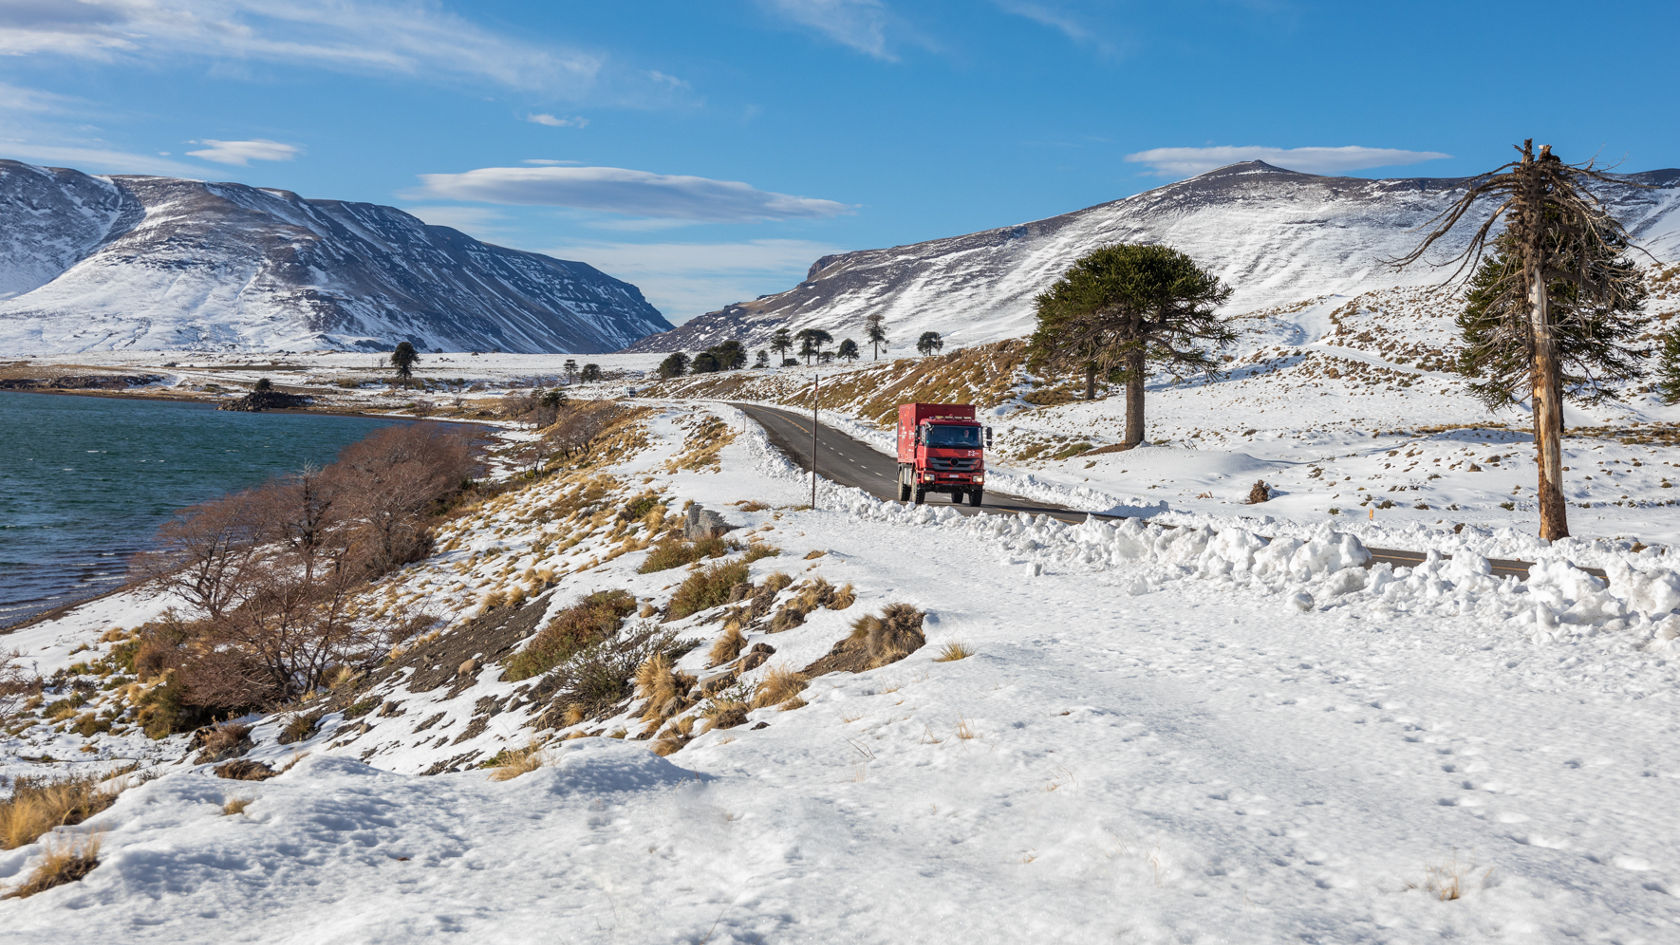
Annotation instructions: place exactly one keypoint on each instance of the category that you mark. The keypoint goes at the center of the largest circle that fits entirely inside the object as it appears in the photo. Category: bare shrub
(63, 861)
(16, 686)
(591, 620)
(1259, 492)
(205, 553)
(396, 479)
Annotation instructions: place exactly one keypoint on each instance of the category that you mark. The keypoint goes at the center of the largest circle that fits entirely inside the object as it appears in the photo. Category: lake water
(86, 481)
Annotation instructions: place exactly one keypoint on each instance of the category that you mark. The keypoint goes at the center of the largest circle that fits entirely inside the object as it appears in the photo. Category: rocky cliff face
(102, 263)
(1276, 236)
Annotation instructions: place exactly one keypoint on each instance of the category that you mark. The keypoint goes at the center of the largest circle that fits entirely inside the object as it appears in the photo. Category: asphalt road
(850, 462)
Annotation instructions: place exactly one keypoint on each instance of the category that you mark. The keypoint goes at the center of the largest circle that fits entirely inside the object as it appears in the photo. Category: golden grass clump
(706, 588)
(759, 550)
(727, 647)
(510, 763)
(671, 553)
(780, 685)
(63, 861)
(665, 689)
(890, 637)
(953, 651)
(590, 620)
(38, 805)
(236, 805)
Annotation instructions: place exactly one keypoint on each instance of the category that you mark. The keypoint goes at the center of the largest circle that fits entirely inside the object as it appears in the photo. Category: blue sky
(710, 151)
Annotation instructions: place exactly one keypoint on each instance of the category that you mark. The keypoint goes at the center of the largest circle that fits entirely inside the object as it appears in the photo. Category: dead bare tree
(1557, 235)
(205, 552)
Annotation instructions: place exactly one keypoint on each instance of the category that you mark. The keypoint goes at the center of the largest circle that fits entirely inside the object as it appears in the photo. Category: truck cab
(941, 448)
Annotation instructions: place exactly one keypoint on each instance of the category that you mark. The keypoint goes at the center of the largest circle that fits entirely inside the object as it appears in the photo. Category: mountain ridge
(1277, 236)
(142, 262)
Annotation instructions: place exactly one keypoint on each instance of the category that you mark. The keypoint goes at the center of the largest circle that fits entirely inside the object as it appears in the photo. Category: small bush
(1259, 492)
(758, 551)
(589, 621)
(16, 686)
(671, 553)
(164, 710)
(709, 587)
(221, 742)
(300, 728)
(37, 805)
(728, 708)
(597, 680)
(890, 637)
(637, 509)
(64, 861)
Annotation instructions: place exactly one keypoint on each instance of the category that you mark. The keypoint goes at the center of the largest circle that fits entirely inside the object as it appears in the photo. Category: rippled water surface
(85, 481)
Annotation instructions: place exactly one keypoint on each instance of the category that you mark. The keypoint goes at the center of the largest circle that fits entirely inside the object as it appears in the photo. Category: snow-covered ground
(1187, 735)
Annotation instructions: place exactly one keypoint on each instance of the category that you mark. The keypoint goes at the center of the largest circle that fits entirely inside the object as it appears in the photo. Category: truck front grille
(941, 464)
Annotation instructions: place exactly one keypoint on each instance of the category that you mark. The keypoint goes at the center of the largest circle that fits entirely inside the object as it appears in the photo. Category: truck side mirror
(988, 437)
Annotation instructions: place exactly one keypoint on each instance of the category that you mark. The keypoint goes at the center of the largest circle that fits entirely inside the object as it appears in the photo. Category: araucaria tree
(404, 358)
(875, 330)
(1554, 279)
(781, 342)
(1123, 309)
(930, 343)
(849, 350)
(811, 341)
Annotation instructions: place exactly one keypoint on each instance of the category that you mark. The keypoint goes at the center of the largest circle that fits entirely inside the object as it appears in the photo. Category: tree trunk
(1548, 412)
(1090, 382)
(1134, 399)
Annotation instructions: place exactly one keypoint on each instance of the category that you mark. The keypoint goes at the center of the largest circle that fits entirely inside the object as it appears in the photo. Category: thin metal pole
(816, 385)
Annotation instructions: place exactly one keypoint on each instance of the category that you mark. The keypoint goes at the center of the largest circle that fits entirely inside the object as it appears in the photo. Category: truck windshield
(941, 436)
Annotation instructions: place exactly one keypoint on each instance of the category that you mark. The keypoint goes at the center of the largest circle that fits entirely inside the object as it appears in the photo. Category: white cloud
(385, 36)
(626, 192)
(96, 158)
(860, 24)
(683, 280)
(1187, 162)
(554, 121)
(1060, 20)
(243, 153)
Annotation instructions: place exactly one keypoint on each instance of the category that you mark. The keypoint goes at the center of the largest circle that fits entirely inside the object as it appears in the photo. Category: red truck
(940, 449)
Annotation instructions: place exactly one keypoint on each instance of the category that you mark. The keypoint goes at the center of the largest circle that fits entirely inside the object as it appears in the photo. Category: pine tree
(404, 358)
(875, 331)
(1558, 237)
(1120, 309)
(811, 341)
(781, 342)
(1668, 367)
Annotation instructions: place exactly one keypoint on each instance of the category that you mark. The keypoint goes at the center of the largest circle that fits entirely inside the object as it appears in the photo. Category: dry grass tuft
(952, 652)
(706, 588)
(814, 554)
(665, 689)
(38, 805)
(1450, 881)
(511, 763)
(1259, 492)
(236, 805)
(728, 646)
(574, 629)
(780, 685)
(758, 551)
(63, 861)
(672, 553)
(892, 636)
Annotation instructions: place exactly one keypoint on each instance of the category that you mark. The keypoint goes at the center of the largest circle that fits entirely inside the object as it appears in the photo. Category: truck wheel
(956, 497)
(921, 495)
(974, 497)
(903, 487)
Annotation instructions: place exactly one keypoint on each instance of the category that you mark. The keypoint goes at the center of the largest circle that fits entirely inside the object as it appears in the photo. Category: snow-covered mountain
(105, 263)
(1276, 236)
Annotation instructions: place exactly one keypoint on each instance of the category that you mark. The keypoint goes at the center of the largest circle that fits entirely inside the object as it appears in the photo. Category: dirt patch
(488, 638)
(244, 770)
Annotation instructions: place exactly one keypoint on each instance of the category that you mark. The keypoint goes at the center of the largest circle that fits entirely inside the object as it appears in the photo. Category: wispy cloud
(688, 279)
(411, 38)
(859, 24)
(95, 158)
(243, 153)
(1186, 162)
(626, 192)
(556, 121)
(1068, 24)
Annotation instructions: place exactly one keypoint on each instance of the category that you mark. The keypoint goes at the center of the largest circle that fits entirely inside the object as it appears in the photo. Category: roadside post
(816, 384)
